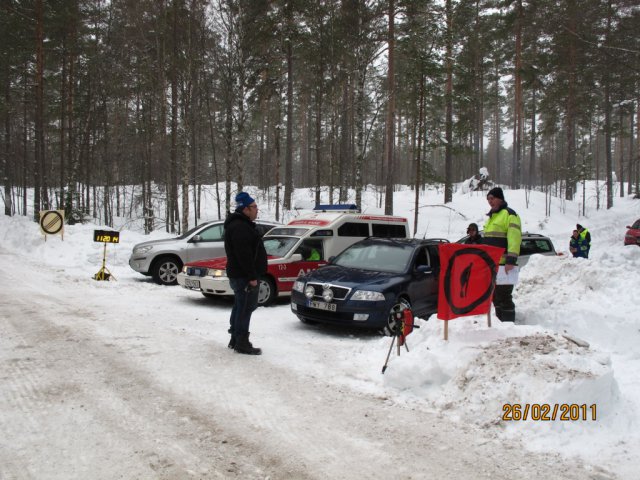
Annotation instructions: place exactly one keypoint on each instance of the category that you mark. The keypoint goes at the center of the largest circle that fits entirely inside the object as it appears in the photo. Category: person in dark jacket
(474, 235)
(503, 230)
(246, 263)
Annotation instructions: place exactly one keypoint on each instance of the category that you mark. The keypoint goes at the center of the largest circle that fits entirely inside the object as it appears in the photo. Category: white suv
(163, 259)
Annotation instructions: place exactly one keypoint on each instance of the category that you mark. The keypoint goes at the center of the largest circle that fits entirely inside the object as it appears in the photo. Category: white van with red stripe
(304, 244)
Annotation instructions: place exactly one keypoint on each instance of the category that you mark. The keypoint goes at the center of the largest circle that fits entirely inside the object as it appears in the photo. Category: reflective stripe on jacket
(503, 230)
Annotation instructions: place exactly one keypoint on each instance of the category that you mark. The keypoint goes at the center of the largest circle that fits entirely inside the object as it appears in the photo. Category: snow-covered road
(130, 380)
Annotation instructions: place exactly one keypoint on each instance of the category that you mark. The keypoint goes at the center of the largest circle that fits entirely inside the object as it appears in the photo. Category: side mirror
(627, 226)
(331, 259)
(296, 257)
(424, 269)
(196, 238)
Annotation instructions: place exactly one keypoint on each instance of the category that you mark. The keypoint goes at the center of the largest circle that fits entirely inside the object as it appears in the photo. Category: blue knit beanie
(243, 200)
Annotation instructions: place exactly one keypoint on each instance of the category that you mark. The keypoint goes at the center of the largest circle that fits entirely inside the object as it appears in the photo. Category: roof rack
(338, 207)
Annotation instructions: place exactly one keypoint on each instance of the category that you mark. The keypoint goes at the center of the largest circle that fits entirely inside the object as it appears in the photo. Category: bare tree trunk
(391, 107)
(532, 151)
(620, 137)
(277, 157)
(39, 170)
(360, 131)
(448, 162)
(288, 160)
(607, 118)
(517, 147)
(637, 158)
(571, 105)
(498, 136)
(7, 179)
(631, 162)
(304, 121)
(418, 158)
(319, 96)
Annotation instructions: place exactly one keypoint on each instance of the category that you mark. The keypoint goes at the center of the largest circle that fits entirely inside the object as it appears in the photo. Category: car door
(209, 243)
(313, 256)
(423, 287)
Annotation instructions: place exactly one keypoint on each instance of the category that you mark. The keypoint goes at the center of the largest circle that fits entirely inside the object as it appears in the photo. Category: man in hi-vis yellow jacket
(503, 230)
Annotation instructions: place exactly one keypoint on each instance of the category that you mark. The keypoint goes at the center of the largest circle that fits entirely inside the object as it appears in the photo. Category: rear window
(529, 247)
(389, 231)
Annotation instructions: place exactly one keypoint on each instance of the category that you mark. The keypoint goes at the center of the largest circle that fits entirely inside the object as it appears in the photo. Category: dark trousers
(503, 303)
(245, 301)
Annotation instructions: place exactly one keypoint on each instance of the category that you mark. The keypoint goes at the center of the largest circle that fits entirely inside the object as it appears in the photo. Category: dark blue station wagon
(369, 283)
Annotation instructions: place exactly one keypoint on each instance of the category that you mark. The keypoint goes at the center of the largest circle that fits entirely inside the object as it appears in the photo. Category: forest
(173, 95)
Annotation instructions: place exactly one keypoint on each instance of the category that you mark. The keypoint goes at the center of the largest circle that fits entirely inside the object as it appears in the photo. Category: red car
(632, 237)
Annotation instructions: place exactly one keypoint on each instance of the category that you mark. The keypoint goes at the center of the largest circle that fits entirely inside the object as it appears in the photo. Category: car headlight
(141, 250)
(298, 286)
(309, 292)
(184, 269)
(214, 272)
(367, 295)
(327, 294)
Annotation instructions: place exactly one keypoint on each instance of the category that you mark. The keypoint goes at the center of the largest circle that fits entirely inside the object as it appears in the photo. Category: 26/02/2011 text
(545, 412)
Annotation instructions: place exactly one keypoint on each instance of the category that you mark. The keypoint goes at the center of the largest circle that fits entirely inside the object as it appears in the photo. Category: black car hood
(350, 277)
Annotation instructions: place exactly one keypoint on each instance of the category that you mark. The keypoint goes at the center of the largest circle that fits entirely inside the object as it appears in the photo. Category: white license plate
(323, 306)
(191, 283)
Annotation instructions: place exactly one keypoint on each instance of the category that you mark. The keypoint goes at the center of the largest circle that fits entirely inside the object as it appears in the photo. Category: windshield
(296, 231)
(188, 233)
(279, 246)
(386, 257)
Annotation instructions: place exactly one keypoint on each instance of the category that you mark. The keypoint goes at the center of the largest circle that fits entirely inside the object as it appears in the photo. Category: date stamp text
(545, 412)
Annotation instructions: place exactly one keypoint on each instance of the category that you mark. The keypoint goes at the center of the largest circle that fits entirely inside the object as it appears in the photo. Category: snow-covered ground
(543, 359)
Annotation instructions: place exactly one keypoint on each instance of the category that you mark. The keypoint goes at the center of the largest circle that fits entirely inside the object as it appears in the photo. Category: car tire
(306, 321)
(399, 306)
(266, 292)
(165, 270)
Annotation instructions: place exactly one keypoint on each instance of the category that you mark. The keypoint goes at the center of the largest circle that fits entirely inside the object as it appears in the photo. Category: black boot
(243, 345)
(232, 342)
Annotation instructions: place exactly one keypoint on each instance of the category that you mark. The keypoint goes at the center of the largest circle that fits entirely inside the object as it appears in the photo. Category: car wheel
(306, 321)
(396, 316)
(165, 270)
(266, 292)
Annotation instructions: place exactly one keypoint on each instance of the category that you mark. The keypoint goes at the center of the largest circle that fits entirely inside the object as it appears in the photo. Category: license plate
(323, 306)
(192, 283)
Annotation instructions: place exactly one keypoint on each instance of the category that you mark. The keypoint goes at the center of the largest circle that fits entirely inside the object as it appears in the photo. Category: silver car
(163, 259)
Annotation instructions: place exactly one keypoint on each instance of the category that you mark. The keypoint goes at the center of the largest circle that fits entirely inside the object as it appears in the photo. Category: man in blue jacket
(246, 263)
(585, 240)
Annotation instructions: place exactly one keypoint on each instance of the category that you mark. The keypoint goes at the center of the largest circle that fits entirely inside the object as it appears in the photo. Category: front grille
(339, 293)
(196, 271)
